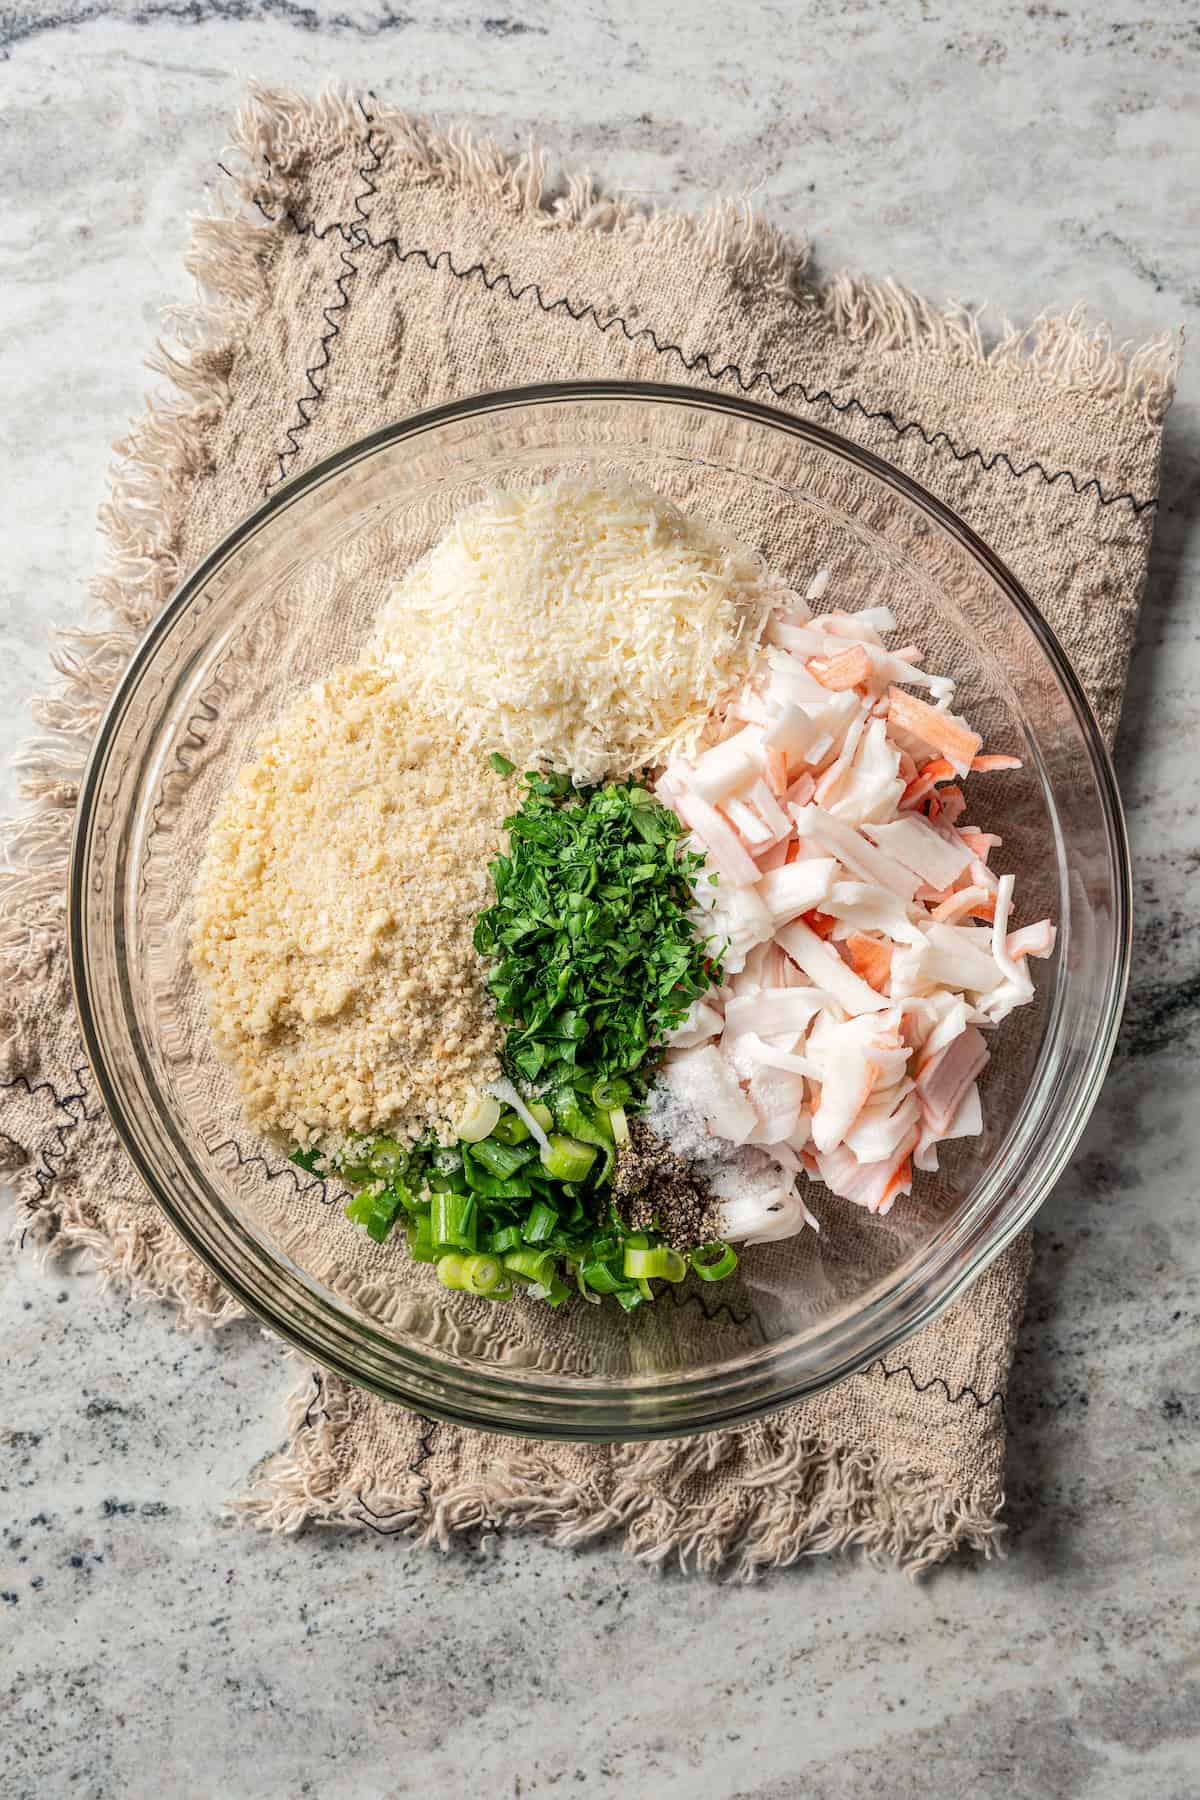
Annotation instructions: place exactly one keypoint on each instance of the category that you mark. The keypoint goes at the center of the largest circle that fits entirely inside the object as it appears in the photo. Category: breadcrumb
(334, 914)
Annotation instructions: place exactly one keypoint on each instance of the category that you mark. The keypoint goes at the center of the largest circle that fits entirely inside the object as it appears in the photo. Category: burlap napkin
(367, 267)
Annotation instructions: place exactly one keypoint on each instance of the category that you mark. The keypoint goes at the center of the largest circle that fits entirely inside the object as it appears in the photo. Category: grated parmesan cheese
(580, 626)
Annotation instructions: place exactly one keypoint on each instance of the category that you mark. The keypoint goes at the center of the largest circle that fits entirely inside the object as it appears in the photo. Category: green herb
(311, 1161)
(594, 954)
(501, 764)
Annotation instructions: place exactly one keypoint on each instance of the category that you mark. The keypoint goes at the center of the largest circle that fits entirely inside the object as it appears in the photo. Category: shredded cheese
(581, 626)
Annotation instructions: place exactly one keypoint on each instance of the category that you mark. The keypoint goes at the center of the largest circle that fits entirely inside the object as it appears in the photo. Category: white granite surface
(1033, 153)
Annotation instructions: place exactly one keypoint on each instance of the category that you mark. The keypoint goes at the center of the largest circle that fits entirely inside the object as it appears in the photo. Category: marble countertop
(1032, 154)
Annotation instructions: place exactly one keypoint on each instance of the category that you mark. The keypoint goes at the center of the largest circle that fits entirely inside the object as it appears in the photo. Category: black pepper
(655, 1189)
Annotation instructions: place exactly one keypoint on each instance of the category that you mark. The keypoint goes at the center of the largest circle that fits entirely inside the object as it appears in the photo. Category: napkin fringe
(278, 126)
(800, 1496)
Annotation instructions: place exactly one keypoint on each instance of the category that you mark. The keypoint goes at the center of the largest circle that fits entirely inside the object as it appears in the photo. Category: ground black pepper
(654, 1188)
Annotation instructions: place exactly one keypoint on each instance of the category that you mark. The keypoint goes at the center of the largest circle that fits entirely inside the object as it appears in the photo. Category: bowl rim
(478, 1399)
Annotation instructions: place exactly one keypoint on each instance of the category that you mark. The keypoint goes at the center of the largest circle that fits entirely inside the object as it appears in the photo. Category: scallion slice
(501, 1159)
(385, 1157)
(479, 1120)
(533, 1265)
(509, 1129)
(557, 1292)
(714, 1261)
(452, 1221)
(567, 1159)
(611, 1091)
(663, 1264)
(484, 1275)
(540, 1222)
(420, 1239)
(599, 1276)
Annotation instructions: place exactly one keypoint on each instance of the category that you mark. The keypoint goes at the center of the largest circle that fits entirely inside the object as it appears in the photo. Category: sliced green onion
(446, 1159)
(556, 1291)
(508, 1237)
(501, 764)
(486, 1186)
(593, 1299)
(584, 1123)
(599, 1276)
(358, 1207)
(501, 1159)
(484, 1275)
(510, 1130)
(619, 1126)
(420, 1240)
(479, 1119)
(385, 1156)
(567, 1159)
(611, 1091)
(452, 1221)
(375, 1208)
(541, 1112)
(714, 1261)
(534, 1265)
(353, 1161)
(580, 1120)
(450, 1270)
(540, 1222)
(447, 1184)
(507, 1092)
(411, 1202)
(629, 1298)
(662, 1264)
(644, 1288)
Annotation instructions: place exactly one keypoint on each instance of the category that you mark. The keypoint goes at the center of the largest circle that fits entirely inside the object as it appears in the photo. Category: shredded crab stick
(867, 948)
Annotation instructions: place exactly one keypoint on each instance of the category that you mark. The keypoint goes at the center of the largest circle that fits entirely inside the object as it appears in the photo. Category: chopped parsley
(594, 954)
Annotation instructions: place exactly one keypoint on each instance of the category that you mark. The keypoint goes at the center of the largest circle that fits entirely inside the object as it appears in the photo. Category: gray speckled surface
(1036, 154)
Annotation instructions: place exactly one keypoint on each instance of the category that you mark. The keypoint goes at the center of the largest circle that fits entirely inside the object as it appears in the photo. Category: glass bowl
(292, 591)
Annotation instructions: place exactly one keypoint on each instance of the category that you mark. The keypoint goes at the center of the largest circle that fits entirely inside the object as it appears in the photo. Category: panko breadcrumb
(334, 914)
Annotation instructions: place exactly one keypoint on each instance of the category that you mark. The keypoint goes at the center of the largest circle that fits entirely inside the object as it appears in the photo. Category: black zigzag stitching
(54, 1153)
(275, 1172)
(192, 741)
(720, 371)
(308, 1411)
(356, 236)
(359, 236)
(377, 1521)
(712, 1307)
(937, 1381)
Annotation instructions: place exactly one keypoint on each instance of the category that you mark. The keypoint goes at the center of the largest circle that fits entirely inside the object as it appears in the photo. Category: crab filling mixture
(616, 904)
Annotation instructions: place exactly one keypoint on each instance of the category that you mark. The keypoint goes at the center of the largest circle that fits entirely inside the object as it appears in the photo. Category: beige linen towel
(369, 266)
